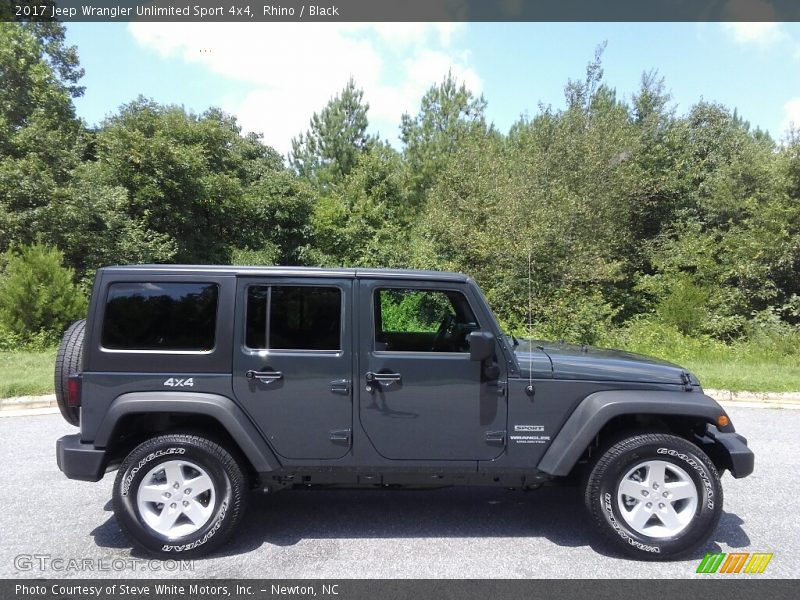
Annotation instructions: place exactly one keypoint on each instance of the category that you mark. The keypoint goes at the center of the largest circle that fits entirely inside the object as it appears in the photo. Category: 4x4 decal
(176, 382)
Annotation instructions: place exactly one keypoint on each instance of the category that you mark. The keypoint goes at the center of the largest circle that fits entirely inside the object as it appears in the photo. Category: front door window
(422, 320)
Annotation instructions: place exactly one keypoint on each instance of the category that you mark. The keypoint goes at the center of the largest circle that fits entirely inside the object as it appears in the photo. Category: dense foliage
(38, 297)
(617, 216)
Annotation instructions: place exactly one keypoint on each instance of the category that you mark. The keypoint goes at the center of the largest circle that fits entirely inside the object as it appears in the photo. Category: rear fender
(223, 410)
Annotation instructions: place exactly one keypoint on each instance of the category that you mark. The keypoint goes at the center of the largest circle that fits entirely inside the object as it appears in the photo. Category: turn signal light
(723, 421)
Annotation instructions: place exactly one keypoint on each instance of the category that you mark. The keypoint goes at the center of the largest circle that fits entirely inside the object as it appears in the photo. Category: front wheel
(654, 496)
(179, 495)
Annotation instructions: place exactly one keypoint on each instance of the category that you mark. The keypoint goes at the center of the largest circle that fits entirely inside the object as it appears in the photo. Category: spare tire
(68, 362)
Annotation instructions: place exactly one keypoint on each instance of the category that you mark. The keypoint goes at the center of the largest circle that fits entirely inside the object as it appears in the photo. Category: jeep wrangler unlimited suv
(200, 384)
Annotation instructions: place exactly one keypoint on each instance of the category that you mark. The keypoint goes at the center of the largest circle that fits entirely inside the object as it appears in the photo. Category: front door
(293, 363)
(420, 396)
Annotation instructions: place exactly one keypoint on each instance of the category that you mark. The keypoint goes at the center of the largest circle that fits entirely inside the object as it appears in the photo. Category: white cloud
(791, 111)
(761, 33)
(293, 69)
(399, 35)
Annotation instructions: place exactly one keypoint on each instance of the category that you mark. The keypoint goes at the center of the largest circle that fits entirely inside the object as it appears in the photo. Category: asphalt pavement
(53, 527)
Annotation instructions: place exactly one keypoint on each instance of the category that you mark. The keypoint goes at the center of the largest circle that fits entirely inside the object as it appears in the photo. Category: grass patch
(746, 376)
(26, 373)
(764, 363)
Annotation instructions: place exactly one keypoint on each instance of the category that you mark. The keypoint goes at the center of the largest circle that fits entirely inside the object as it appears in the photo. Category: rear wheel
(68, 362)
(179, 495)
(654, 496)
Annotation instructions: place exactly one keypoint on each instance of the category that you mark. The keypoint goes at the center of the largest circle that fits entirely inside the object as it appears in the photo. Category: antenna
(530, 297)
(529, 389)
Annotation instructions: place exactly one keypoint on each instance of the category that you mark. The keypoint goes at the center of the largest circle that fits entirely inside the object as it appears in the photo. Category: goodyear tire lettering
(126, 484)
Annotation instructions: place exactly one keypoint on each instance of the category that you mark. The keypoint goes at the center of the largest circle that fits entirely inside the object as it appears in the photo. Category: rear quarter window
(160, 316)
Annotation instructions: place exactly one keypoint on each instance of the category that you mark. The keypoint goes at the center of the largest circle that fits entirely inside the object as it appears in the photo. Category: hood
(596, 364)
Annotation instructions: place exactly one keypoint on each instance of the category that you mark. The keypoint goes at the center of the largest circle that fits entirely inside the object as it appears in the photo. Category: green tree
(447, 113)
(40, 137)
(732, 229)
(194, 187)
(336, 137)
(366, 220)
(276, 220)
(37, 293)
(551, 189)
(657, 190)
(95, 227)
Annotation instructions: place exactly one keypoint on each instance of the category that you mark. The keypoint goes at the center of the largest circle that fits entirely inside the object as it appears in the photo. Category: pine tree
(447, 113)
(37, 293)
(337, 135)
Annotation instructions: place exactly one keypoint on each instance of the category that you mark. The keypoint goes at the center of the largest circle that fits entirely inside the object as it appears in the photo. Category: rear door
(420, 395)
(293, 362)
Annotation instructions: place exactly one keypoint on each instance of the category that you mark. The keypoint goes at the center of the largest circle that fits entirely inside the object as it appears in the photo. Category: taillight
(74, 391)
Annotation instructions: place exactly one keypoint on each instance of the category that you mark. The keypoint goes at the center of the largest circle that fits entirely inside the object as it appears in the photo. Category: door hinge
(340, 386)
(340, 436)
(496, 437)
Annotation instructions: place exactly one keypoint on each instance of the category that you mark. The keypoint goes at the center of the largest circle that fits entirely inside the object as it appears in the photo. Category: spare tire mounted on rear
(68, 362)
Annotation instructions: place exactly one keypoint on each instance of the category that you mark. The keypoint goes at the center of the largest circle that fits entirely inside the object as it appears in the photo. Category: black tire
(607, 473)
(230, 489)
(68, 362)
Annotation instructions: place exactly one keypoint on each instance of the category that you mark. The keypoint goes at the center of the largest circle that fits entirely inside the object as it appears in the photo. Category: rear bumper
(730, 451)
(78, 460)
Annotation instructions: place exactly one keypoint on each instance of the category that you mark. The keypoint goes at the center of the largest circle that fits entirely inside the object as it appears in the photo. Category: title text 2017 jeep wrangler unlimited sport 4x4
(201, 383)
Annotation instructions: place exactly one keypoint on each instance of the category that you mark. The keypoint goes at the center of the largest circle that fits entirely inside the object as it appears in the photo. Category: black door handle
(264, 376)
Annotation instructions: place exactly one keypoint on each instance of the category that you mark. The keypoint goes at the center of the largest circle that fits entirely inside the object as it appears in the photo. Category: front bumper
(729, 450)
(78, 460)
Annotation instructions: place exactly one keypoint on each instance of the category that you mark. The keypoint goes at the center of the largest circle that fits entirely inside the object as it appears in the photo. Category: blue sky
(273, 76)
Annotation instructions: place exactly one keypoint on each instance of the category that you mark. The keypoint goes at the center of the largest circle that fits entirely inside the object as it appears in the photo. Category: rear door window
(286, 317)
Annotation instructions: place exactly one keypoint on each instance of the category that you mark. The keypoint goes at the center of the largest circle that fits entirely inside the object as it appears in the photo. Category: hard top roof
(264, 271)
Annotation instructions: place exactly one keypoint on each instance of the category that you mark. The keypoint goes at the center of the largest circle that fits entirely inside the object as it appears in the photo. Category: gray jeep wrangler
(201, 384)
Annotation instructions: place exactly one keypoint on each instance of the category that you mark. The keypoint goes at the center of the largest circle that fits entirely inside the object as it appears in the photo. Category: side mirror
(481, 345)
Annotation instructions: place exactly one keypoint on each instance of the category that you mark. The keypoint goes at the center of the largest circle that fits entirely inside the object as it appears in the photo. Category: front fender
(224, 410)
(599, 408)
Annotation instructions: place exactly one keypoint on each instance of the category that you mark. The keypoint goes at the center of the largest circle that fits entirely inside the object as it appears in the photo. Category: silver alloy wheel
(176, 498)
(657, 499)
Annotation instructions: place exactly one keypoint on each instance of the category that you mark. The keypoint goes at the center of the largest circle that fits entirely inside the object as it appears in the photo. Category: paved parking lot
(454, 532)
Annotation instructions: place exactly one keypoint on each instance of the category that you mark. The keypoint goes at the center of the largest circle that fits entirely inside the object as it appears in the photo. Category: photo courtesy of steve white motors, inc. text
(93, 11)
(194, 590)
